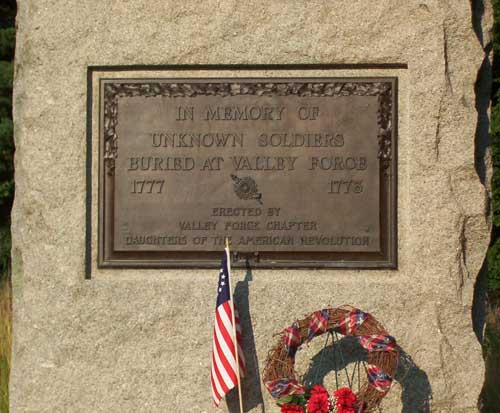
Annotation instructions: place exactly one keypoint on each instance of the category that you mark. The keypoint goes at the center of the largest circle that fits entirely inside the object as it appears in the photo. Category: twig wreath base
(279, 375)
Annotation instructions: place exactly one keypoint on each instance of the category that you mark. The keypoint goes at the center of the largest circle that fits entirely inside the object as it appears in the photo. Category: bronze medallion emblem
(246, 188)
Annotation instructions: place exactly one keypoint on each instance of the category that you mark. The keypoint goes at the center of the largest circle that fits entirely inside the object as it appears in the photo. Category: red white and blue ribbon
(379, 379)
(292, 339)
(352, 321)
(283, 387)
(378, 343)
(318, 324)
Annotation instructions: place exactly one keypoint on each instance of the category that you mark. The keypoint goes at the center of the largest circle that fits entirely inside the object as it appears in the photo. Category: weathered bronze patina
(297, 172)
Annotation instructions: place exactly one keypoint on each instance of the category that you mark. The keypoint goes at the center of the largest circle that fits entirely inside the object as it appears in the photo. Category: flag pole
(240, 397)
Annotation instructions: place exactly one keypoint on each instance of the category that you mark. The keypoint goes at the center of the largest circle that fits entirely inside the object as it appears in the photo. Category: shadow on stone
(252, 393)
(482, 90)
(477, 9)
(335, 359)
(480, 303)
(416, 389)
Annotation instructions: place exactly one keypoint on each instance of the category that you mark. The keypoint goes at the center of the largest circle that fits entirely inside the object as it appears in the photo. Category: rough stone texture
(135, 340)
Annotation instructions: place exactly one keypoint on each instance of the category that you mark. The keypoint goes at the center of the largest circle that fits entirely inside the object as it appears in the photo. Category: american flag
(223, 375)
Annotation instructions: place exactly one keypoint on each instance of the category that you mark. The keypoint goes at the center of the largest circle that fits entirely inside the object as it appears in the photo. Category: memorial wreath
(382, 357)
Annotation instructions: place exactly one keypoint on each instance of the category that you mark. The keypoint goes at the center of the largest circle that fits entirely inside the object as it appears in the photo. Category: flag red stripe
(218, 376)
(217, 396)
(223, 329)
(228, 337)
(228, 365)
(239, 338)
(215, 386)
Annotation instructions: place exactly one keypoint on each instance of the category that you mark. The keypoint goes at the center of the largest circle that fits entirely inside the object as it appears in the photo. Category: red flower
(318, 403)
(291, 408)
(317, 389)
(345, 400)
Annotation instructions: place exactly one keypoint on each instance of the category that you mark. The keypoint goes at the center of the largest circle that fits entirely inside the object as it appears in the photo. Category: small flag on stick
(225, 372)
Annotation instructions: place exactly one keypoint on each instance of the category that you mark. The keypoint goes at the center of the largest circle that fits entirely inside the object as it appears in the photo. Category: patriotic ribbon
(379, 379)
(378, 343)
(318, 324)
(352, 321)
(292, 339)
(283, 387)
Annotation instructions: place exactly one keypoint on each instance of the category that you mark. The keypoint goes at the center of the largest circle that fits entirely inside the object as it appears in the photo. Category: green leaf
(285, 400)
(294, 399)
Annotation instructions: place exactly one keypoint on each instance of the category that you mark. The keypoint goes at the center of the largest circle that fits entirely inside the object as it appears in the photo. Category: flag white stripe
(216, 390)
(218, 387)
(224, 346)
(223, 372)
(226, 319)
(215, 398)
(226, 353)
(228, 381)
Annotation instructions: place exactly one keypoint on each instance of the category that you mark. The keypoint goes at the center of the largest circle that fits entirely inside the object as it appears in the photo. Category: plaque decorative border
(114, 91)
(111, 90)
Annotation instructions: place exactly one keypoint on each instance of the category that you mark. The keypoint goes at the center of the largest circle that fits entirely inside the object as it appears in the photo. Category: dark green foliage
(6, 142)
(494, 268)
(4, 252)
(8, 9)
(7, 37)
(495, 141)
(494, 254)
(5, 107)
(496, 38)
(7, 34)
(7, 43)
(6, 73)
(490, 397)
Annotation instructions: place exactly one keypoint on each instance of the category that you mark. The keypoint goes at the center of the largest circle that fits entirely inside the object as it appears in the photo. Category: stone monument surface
(90, 336)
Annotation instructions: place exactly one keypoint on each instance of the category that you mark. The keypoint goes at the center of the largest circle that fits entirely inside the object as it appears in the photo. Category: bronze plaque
(297, 172)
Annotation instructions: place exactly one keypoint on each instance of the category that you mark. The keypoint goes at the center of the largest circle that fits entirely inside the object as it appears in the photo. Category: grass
(5, 318)
(5, 342)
